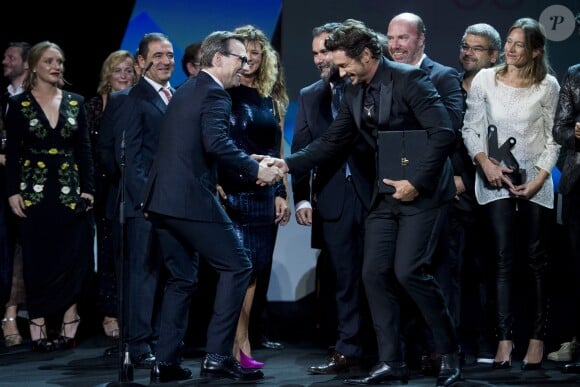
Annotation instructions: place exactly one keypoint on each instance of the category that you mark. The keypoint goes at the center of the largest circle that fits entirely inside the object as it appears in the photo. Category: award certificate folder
(399, 155)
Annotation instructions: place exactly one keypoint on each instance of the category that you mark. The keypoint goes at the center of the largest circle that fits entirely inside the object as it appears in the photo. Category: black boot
(450, 371)
(573, 367)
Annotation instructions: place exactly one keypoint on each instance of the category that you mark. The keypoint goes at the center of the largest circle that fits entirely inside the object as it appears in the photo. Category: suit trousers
(398, 250)
(343, 242)
(141, 272)
(182, 242)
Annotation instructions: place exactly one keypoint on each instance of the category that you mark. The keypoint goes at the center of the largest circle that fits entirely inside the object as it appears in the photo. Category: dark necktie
(370, 103)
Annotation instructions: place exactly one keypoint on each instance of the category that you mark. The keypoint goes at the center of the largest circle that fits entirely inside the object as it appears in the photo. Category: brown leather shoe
(337, 363)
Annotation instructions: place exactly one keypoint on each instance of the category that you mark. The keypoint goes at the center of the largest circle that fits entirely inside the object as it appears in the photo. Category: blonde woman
(117, 73)
(50, 189)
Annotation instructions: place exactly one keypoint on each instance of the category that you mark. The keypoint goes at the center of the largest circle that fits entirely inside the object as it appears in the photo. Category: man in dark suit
(406, 36)
(402, 229)
(181, 201)
(340, 198)
(130, 130)
(480, 47)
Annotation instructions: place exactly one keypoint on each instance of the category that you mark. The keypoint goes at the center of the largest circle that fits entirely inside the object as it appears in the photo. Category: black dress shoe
(269, 344)
(571, 368)
(450, 371)
(164, 372)
(337, 363)
(144, 361)
(382, 372)
(228, 368)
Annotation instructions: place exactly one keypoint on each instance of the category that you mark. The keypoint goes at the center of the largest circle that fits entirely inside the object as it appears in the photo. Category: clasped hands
(271, 171)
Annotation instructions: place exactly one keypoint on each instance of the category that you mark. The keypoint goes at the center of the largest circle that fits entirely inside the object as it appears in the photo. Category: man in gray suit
(182, 203)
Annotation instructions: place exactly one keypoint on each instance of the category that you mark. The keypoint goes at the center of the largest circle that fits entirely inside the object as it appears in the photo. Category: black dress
(50, 167)
(107, 297)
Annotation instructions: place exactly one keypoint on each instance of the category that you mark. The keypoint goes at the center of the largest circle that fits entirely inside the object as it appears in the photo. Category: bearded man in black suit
(403, 227)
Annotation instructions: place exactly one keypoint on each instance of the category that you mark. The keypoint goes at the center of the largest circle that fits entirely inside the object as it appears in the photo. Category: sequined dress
(255, 129)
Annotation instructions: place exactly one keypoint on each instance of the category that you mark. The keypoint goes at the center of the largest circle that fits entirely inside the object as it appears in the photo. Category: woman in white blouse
(519, 98)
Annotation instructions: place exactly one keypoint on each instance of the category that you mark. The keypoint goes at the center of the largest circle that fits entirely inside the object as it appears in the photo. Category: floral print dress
(50, 167)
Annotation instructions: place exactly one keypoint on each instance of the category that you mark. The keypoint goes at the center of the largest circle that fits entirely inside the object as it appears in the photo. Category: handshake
(271, 170)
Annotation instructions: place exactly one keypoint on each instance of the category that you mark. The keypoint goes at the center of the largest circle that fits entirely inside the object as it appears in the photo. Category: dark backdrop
(87, 36)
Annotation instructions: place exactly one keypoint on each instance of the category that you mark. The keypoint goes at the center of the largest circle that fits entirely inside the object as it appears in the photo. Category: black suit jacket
(447, 81)
(193, 141)
(327, 194)
(133, 118)
(408, 101)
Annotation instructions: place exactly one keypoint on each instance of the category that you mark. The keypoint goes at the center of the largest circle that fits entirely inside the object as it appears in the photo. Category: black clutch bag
(399, 153)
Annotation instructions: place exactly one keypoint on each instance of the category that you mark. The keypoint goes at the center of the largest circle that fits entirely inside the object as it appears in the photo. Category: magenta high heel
(248, 362)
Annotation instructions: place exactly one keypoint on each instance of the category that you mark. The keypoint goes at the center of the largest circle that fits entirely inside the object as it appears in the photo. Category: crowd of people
(169, 182)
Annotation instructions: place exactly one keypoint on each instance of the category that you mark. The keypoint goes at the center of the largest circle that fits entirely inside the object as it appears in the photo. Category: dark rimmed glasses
(243, 59)
(476, 49)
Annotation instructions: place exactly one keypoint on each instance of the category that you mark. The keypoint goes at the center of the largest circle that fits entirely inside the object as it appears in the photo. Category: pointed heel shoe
(248, 362)
(527, 366)
(503, 364)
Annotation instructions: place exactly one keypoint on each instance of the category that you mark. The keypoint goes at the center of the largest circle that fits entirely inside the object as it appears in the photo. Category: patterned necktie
(167, 93)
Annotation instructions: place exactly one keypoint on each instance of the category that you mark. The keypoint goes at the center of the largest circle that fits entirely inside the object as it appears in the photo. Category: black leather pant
(513, 220)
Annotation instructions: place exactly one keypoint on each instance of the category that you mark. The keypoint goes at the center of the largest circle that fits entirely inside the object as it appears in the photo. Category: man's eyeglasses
(243, 59)
(476, 49)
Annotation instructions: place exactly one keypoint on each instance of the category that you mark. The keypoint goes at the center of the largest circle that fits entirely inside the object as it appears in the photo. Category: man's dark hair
(353, 37)
(189, 57)
(218, 41)
(143, 49)
(325, 28)
(24, 47)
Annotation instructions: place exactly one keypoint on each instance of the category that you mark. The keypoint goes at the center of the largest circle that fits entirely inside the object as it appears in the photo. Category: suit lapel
(152, 95)
(357, 102)
(386, 95)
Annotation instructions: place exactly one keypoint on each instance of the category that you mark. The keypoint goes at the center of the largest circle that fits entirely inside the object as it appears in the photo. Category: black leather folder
(399, 155)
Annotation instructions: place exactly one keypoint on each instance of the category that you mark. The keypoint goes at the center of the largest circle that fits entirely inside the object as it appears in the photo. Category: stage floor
(86, 365)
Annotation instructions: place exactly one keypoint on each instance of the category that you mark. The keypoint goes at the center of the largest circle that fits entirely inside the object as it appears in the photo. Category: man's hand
(459, 186)
(268, 175)
(279, 163)
(304, 216)
(404, 190)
